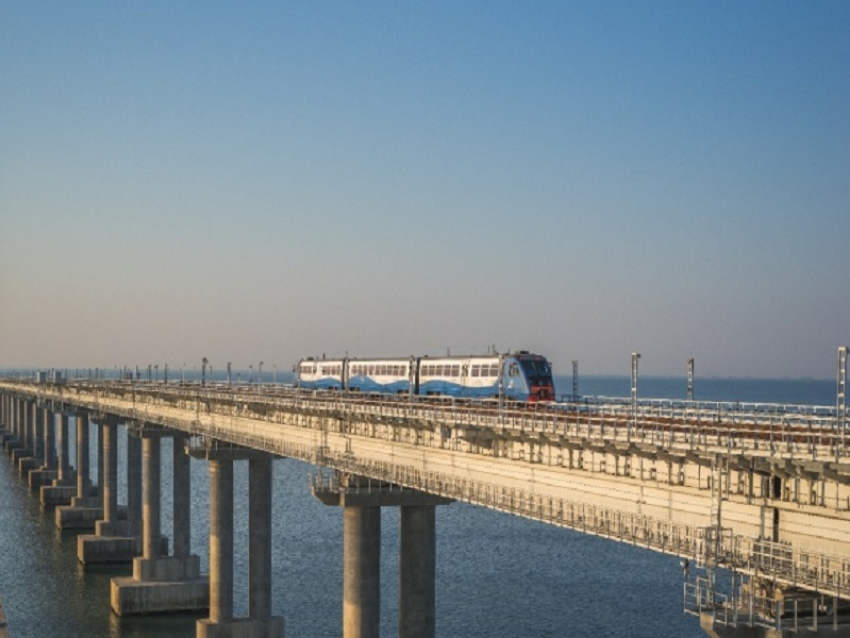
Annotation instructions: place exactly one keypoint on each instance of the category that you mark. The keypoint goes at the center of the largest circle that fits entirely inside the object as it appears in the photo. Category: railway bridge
(753, 499)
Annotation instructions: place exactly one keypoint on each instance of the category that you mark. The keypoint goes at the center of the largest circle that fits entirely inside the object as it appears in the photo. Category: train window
(476, 371)
(514, 370)
(494, 370)
(456, 371)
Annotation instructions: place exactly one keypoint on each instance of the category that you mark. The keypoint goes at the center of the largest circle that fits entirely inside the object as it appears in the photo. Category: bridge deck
(512, 459)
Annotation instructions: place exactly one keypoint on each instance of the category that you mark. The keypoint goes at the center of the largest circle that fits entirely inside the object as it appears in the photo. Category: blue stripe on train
(437, 386)
(328, 383)
(366, 384)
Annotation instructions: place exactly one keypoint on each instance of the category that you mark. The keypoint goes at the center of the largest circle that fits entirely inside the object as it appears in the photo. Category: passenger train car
(520, 376)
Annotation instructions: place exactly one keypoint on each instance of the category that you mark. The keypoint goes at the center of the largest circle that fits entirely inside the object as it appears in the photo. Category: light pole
(229, 378)
(250, 374)
(204, 363)
(691, 379)
(260, 374)
(635, 358)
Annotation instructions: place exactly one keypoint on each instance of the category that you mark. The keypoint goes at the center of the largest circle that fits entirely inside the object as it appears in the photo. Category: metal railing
(760, 429)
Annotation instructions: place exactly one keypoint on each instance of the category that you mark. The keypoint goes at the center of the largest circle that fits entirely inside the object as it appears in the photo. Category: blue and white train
(521, 376)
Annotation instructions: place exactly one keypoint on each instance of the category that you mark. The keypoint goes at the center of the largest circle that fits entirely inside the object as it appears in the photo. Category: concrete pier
(46, 473)
(64, 486)
(361, 500)
(221, 623)
(161, 583)
(15, 441)
(417, 572)
(114, 541)
(25, 450)
(86, 506)
(361, 587)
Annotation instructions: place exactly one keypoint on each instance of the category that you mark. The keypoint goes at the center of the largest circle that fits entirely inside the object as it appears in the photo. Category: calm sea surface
(498, 576)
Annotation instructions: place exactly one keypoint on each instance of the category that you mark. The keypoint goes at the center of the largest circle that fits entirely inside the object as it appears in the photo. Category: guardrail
(762, 429)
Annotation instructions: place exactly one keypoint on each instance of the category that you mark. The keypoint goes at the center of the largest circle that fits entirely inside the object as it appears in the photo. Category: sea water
(498, 576)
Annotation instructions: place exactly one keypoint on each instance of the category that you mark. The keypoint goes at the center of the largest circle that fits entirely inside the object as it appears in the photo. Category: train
(519, 376)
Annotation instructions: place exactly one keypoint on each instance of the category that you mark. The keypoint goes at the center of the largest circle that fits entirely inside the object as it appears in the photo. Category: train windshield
(537, 371)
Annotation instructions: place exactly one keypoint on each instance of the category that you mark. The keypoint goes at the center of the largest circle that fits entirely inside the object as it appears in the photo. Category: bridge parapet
(786, 431)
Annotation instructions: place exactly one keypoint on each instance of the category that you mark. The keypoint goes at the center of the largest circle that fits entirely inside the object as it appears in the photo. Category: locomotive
(519, 376)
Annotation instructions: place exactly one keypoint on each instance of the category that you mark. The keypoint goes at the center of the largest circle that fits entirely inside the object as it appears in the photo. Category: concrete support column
(62, 436)
(221, 623)
(49, 440)
(361, 608)
(221, 541)
(62, 485)
(260, 545)
(83, 471)
(43, 472)
(100, 462)
(25, 457)
(25, 413)
(38, 433)
(182, 499)
(30, 416)
(162, 583)
(15, 408)
(17, 442)
(151, 502)
(417, 572)
(109, 461)
(134, 482)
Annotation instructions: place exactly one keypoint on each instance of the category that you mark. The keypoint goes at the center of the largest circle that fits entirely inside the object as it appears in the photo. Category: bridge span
(754, 499)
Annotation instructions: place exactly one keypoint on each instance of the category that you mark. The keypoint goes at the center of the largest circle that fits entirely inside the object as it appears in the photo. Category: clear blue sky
(264, 181)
